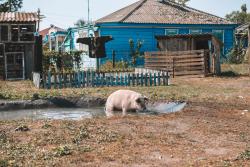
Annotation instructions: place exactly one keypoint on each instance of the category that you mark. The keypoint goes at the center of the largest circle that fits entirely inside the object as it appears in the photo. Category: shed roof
(161, 12)
(18, 17)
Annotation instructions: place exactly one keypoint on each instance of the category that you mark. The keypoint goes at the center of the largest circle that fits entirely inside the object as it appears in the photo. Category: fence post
(154, 79)
(92, 78)
(173, 67)
(65, 80)
(112, 80)
(137, 79)
(129, 79)
(164, 78)
(49, 80)
(126, 80)
(150, 79)
(44, 81)
(117, 80)
(113, 58)
(78, 79)
(167, 77)
(146, 79)
(141, 79)
(83, 78)
(121, 80)
(60, 81)
(159, 79)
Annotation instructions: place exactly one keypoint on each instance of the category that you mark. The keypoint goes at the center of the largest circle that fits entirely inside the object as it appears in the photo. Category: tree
(182, 2)
(135, 52)
(10, 5)
(80, 23)
(239, 17)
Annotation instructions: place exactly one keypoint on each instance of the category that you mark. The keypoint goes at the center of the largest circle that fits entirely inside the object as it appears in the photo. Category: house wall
(122, 32)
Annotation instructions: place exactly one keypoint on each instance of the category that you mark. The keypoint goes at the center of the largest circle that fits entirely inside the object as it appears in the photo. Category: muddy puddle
(83, 113)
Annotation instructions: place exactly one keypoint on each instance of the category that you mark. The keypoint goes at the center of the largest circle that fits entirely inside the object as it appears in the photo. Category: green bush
(237, 54)
(118, 65)
(61, 61)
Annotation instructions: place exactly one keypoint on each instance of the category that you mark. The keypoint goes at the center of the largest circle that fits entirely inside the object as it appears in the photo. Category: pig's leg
(109, 111)
(124, 111)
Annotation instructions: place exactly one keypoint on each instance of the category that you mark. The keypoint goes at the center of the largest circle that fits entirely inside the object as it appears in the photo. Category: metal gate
(14, 65)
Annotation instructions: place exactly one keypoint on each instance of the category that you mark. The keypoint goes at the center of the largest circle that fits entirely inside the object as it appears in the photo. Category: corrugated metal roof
(18, 17)
(161, 12)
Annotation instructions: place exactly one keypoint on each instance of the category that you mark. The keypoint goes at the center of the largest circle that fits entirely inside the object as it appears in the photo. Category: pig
(125, 100)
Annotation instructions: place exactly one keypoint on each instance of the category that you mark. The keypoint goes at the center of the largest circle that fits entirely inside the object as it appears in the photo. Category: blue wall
(122, 32)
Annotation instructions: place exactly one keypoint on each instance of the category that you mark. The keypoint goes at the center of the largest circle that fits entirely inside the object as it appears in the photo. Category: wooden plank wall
(179, 63)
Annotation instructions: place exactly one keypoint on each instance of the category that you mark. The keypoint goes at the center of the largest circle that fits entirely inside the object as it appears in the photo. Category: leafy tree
(80, 23)
(10, 5)
(135, 50)
(182, 2)
(239, 17)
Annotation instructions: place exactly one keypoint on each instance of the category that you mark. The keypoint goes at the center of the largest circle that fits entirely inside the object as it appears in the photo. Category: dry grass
(212, 131)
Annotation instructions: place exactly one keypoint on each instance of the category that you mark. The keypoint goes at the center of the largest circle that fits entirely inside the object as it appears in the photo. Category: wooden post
(173, 67)
(60, 81)
(49, 80)
(248, 49)
(159, 79)
(141, 79)
(154, 79)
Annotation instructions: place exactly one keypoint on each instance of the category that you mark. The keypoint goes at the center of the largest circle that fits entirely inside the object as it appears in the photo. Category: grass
(235, 69)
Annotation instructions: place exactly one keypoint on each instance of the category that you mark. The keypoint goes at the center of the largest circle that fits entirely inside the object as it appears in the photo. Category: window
(14, 33)
(219, 34)
(26, 32)
(195, 31)
(171, 31)
(4, 33)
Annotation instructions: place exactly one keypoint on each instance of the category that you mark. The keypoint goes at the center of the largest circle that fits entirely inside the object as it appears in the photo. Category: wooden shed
(187, 54)
(17, 42)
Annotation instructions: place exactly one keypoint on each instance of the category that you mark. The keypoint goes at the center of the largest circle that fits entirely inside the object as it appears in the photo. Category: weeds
(3, 163)
(83, 133)
(3, 137)
(46, 126)
(62, 151)
(245, 155)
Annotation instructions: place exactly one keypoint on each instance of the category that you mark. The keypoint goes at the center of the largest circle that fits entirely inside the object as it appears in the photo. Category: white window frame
(195, 29)
(177, 31)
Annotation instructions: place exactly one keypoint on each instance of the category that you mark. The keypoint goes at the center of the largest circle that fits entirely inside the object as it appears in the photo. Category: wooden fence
(93, 79)
(179, 63)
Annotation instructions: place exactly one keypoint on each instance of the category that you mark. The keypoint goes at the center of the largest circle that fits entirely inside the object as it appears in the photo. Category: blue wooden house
(145, 19)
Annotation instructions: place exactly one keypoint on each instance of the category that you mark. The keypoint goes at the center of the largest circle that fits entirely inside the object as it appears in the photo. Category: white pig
(125, 100)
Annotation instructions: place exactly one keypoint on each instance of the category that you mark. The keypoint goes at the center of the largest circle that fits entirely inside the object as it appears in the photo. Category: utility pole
(39, 19)
(9, 5)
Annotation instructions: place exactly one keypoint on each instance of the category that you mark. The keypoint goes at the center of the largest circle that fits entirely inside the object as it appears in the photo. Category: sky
(64, 14)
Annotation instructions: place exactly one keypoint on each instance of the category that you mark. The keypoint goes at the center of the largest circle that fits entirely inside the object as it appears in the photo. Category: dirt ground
(213, 130)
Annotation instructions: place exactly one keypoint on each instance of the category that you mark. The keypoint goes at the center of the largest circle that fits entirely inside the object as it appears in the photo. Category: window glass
(195, 31)
(27, 28)
(10, 59)
(171, 31)
(27, 37)
(219, 34)
(4, 33)
(14, 32)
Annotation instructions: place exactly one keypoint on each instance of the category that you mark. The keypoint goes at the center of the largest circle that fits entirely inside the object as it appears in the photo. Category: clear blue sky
(64, 13)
